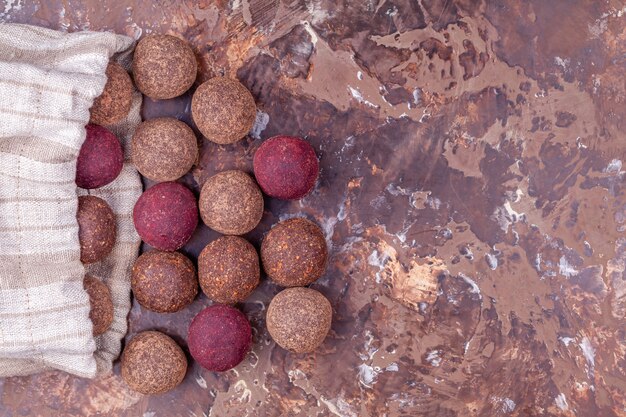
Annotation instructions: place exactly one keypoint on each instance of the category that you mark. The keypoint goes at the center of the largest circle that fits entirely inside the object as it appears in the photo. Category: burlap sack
(48, 81)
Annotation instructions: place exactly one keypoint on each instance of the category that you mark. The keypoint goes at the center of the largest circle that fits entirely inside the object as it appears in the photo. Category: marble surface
(472, 194)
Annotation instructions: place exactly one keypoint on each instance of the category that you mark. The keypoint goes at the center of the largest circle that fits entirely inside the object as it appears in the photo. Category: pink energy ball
(219, 337)
(100, 159)
(166, 216)
(286, 167)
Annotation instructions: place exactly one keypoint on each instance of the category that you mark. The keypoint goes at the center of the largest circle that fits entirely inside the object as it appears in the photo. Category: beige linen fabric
(48, 81)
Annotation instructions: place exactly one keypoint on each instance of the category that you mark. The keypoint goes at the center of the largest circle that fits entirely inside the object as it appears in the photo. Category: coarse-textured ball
(96, 228)
(298, 319)
(101, 311)
(164, 149)
(286, 167)
(164, 282)
(228, 269)
(100, 159)
(164, 66)
(223, 110)
(166, 216)
(294, 253)
(231, 203)
(114, 103)
(219, 337)
(152, 363)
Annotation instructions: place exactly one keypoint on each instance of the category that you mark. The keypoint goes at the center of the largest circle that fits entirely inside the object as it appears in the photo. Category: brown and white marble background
(472, 191)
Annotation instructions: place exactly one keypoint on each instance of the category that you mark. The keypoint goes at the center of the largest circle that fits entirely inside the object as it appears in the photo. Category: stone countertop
(471, 191)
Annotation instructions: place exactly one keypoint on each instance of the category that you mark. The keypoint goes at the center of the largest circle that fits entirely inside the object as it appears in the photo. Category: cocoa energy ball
(164, 66)
(96, 228)
(223, 110)
(101, 312)
(164, 282)
(231, 203)
(286, 167)
(228, 269)
(100, 159)
(298, 319)
(294, 253)
(114, 103)
(164, 149)
(166, 216)
(152, 363)
(219, 337)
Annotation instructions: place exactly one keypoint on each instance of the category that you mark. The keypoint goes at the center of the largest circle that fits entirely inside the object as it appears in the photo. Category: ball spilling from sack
(100, 159)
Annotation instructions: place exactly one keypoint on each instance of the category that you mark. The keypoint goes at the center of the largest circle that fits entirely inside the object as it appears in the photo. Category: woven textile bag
(48, 81)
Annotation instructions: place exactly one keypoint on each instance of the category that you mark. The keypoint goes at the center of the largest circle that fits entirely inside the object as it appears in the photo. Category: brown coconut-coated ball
(101, 312)
(231, 203)
(96, 228)
(164, 282)
(228, 269)
(294, 253)
(223, 109)
(298, 319)
(164, 66)
(114, 103)
(164, 149)
(152, 363)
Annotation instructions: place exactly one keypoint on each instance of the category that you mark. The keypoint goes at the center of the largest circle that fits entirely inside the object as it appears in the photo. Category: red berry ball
(219, 337)
(286, 167)
(166, 216)
(100, 158)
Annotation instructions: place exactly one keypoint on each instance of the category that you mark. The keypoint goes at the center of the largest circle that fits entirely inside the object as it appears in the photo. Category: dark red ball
(286, 167)
(219, 337)
(100, 159)
(166, 216)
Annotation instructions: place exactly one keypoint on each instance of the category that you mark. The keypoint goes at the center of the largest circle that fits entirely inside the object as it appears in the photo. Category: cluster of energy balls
(100, 161)
(293, 253)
